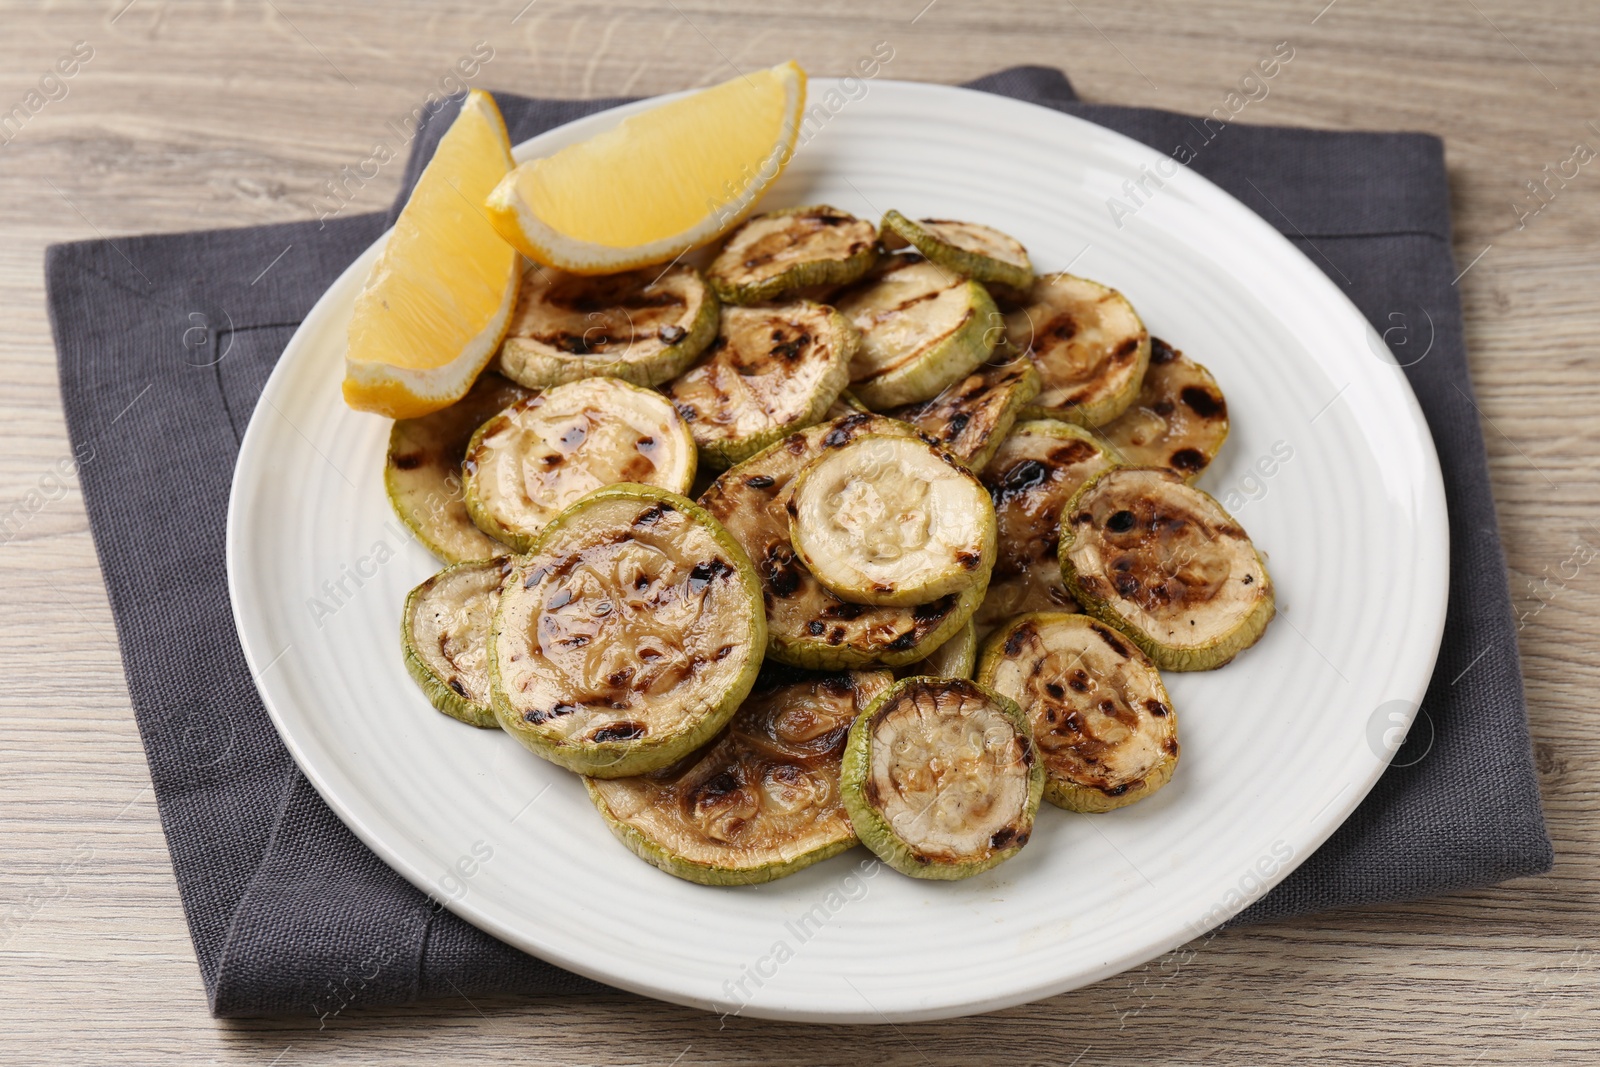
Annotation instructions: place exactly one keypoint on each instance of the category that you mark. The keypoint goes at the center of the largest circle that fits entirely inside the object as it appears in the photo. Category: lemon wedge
(436, 305)
(660, 182)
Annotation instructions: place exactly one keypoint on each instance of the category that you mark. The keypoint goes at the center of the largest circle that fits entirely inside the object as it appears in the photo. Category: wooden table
(187, 116)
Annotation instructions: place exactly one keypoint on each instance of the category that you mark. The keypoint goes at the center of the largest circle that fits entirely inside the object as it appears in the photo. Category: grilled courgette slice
(629, 635)
(1101, 718)
(1089, 345)
(892, 521)
(972, 417)
(1033, 474)
(1180, 419)
(941, 778)
(444, 631)
(807, 625)
(770, 371)
(922, 328)
(980, 252)
(423, 472)
(541, 454)
(761, 801)
(845, 404)
(956, 658)
(1165, 564)
(643, 326)
(799, 248)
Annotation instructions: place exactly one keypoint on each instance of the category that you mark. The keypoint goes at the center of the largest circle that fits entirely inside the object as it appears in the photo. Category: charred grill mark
(1061, 328)
(1029, 474)
(903, 642)
(1161, 352)
(410, 461)
(539, 715)
(1164, 408)
(1121, 521)
(844, 610)
(1003, 837)
(1126, 349)
(934, 610)
(619, 731)
(671, 334)
(455, 683)
(1156, 708)
(842, 431)
(1116, 646)
(706, 572)
(815, 628)
(1017, 638)
(1203, 402)
(1056, 690)
(651, 515)
(969, 560)
(759, 481)
(958, 422)
(788, 350)
(780, 571)
(1187, 460)
(836, 635)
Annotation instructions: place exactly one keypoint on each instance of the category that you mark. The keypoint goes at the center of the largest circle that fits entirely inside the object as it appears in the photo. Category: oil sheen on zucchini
(1033, 474)
(923, 327)
(642, 326)
(771, 370)
(979, 252)
(892, 521)
(808, 626)
(444, 632)
(535, 458)
(1180, 419)
(1089, 345)
(762, 800)
(629, 635)
(971, 417)
(1101, 718)
(1165, 564)
(798, 248)
(941, 778)
(422, 474)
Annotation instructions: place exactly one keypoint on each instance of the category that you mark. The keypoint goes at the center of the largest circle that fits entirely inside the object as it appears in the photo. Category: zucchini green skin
(1206, 658)
(973, 265)
(623, 758)
(1060, 789)
(705, 873)
(811, 274)
(542, 366)
(875, 831)
(436, 689)
(949, 361)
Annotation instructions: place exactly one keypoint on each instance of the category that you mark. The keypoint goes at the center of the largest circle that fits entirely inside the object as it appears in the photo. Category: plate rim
(1339, 808)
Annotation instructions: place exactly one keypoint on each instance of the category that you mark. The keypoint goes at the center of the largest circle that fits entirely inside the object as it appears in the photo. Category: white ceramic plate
(1278, 748)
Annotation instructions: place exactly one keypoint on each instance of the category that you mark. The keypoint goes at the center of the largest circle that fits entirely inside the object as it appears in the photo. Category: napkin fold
(164, 344)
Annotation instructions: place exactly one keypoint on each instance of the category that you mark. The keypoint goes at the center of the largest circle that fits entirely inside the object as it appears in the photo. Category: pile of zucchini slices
(942, 542)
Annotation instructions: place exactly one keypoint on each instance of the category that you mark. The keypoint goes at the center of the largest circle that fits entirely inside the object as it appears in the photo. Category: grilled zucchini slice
(1089, 345)
(922, 327)
(808, 626)
(643, 326)
(845, 404)
(629, 635)
(422, 474)
(892, 521)
(798, 248)
(762, 800)
(1165, 564)
(1101, 718)
(980, 252)
(972, 417)
(444, 631)
(1033, 474)
(538, 456)
(770, 371)
(953, 659)
(1180, 419)
(941, 778)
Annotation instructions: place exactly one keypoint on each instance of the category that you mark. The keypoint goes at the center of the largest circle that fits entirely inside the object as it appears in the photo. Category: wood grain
(191, 115)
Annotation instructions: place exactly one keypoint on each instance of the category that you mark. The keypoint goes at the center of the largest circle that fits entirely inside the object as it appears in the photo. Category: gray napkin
(165, 342)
